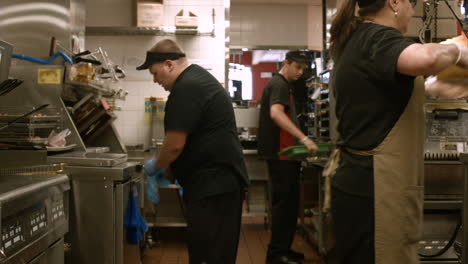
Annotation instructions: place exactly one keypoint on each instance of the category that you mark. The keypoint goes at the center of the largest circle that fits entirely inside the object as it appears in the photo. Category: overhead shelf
(149, 31)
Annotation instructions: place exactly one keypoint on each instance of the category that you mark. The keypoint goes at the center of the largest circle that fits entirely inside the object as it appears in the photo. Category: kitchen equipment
(30, 129)
(5, 56)
(100, 196)
(8, 85)
(100, 184)
(90, 159)
(23, 116)
(446, 139)
(34, 214)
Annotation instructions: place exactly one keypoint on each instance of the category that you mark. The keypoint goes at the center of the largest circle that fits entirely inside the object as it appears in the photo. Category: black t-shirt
(212, 160)
(370, 98)
(271, 138)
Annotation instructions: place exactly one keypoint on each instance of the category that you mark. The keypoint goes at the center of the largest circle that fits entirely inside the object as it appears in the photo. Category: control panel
(23, 227)
(58, 210)
(27, 225)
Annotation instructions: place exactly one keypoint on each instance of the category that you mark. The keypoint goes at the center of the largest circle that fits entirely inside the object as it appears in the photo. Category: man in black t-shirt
(203, 151)
(277, 130)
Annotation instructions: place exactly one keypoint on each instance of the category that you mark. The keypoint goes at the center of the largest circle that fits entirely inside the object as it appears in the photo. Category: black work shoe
(282, 260)
(295, 255)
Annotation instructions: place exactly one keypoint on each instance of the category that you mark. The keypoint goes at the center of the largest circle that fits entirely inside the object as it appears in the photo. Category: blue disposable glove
(154, 175)
(150, 167)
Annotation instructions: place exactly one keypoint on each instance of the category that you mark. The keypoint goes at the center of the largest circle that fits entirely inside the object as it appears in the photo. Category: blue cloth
(134, 223)
(155, 178)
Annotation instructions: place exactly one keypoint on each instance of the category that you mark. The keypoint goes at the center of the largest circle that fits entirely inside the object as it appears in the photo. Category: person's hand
(447, 89)
(310, 145)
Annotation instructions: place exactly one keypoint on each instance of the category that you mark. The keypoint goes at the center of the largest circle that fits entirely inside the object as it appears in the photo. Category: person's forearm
(443, 57)
(167, 155)
(283, 121)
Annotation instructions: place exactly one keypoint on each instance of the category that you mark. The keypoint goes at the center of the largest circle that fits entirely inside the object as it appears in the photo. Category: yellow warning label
(49, 76)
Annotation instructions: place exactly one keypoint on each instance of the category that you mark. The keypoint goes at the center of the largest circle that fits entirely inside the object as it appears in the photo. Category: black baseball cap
(298, 56)
(154, 57)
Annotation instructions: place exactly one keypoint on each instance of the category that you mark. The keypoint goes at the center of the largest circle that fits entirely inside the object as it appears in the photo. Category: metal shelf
(172, 186)
(443, 204)
(168, 222)
(148, 31)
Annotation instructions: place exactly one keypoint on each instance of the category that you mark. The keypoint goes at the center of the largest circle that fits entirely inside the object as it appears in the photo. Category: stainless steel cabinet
(99, 201)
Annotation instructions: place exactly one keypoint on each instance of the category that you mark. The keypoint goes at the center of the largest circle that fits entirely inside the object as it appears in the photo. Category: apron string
(330, 169)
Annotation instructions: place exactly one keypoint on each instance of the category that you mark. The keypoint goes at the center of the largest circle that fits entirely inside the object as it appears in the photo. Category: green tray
(300, 152)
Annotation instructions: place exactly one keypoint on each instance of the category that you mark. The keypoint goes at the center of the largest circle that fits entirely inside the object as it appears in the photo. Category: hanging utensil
(9, 85)
(23, 116)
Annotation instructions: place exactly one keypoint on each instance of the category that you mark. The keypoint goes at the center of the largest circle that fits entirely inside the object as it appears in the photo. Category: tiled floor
(170, 247)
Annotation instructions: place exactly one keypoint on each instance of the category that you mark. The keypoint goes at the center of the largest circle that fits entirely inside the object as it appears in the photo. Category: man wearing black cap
(278, 129)
(203, 151)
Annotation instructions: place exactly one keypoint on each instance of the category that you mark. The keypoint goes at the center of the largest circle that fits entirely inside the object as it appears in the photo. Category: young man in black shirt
(278, 129)
(202, 149)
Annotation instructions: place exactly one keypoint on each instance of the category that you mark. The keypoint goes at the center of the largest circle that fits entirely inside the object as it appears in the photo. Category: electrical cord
(449, 244)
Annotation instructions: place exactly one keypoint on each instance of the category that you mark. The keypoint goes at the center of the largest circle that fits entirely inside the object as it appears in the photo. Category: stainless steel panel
(53, 255)
(5, 54)
(92, 222)
(22, 158)
(29, 26)
(30, 93)
(100, 197)
(47, 185)
(121, 203)
(121, 172)
(110, 138)
(89, 159)
(443, 180)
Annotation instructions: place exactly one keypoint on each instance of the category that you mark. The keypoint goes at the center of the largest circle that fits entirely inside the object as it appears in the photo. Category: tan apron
(398, 184)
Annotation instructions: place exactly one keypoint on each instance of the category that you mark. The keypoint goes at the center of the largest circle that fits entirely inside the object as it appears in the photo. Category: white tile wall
(268, 25)
(315, 23)
(129, 52)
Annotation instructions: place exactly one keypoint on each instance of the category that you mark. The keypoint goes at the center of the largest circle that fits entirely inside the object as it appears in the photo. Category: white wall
(129, 51)
(268, 25)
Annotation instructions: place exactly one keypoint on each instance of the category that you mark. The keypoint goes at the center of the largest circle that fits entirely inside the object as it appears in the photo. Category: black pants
(353, 224)
(214, 228)
(284, 177)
